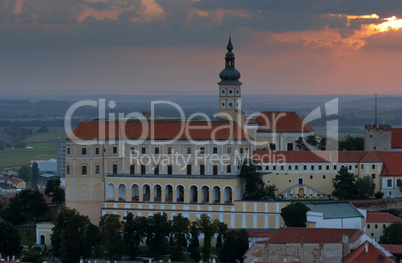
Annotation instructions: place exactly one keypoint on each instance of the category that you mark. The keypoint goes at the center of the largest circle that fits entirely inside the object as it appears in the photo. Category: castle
(147, 166)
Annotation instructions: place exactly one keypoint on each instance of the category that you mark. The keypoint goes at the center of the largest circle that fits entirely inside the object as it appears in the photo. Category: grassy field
(44, 146)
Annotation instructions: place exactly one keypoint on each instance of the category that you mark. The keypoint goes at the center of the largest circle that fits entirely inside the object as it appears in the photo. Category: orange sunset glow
(80, 46)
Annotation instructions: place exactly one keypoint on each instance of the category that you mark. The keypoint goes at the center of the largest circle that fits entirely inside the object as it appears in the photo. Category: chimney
(345, 245)
(366, 247)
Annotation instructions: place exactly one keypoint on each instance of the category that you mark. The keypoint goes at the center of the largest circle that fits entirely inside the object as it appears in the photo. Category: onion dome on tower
(229, 75)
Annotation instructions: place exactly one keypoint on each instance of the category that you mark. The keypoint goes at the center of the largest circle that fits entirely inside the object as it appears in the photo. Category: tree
(344, 185)
(352, 144)
(157, 232)
(36, 204)
(267, 193)
(294, 214)
(235, 245)
(53, 189)
(70, 239)
(109, 227)
(193, 248)
(134, 231)
(25, 173)
(364, 187)
(208, 227)
(180, 226)
(13, 212)
(252, 180)
(10, 240)
(222, 229)
(392, 234)
(35, 175)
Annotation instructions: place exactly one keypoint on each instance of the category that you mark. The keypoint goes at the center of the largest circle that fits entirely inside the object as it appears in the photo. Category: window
(114, 168)
(142, 169)
(290, 181)
(356, 166)
(324, 177)
(84, 169)
(312, 167)
(228, 168)
(375, 226)
(189, 169)
(375, 147)
(156, 150)
(84, 151)
(188, 149)
(389, 183)
(143, 150)
(319, 167)
(282, 167)
(373, 176)
(169, 150)
(132, 169)
(170, 169)
(230, 92)
(215, 149)
(97, 150)
(241, 150)
(156, 170)
(327, 167)
(202, 169)
(305, 167)
(68, 150)
(274, 168)
(290, 146)
(373, 166)
(267, 168)
(300, 180)
(296, 167)
(68, 169)
(237, 91)
(215, 170)
(398, 182)
(350, 167)
(97, 169)
(114, 149)
(223, 91)
(272, 146)
(230, 104)
(368, 226)
(311, 177)
(335, 167)
(361, 166)
(269, 181)
(290, 168)
(384, 226)
(132, 149)
(202, 150)
(372, 234)
(228, 149)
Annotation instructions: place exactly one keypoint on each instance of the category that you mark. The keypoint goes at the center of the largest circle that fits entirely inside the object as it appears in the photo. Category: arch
(300, 192)
(110, 191)
(205, 194)
(168, 193)
(193, 194)
(157, 193)
(228, 194)
(180, 193)
(216, 194)
(135, 192)
(146, 192)
(122, 192)
(42, 240)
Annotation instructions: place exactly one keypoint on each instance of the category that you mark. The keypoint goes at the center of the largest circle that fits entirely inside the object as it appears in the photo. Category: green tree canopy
(208, 227)
(294, 214)
(134, 231)
(157, 232)
(352, 144)
(53, 189)
(235, 245)
(109, 227)
(70, 238)
(25, 173)
(13, 212)
(35, 175)
(392, 234)
(251, 178)
(193, 248)
(344, 185)
(10, 240)
(180, 226)
(364, 187)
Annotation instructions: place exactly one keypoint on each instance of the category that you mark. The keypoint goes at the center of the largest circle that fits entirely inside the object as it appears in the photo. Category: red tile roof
(312, 157)
(16, 180)
(381, 217)
(396, 137)
(366, 252)
(282, 121)
(312, 235)
(392, 163)
(260, 234)
(393, 249)
(158, 130)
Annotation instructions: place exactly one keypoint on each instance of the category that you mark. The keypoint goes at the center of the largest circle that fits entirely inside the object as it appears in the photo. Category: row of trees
(74, 237)
(350, 144)
(347, 187)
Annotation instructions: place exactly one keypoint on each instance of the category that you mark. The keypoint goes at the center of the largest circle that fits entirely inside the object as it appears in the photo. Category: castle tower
(230, 89)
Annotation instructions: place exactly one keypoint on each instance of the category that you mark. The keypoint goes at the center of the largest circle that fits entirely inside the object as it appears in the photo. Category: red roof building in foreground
(393, 249)
(376, 222)
(365, 253)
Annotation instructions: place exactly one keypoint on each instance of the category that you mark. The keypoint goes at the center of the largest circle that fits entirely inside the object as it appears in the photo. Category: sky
(167, 47)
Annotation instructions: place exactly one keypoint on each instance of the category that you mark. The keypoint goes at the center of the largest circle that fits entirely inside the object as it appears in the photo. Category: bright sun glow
(392, 23)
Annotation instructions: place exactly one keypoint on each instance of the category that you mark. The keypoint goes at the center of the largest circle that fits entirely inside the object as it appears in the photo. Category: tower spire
(229, 74)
